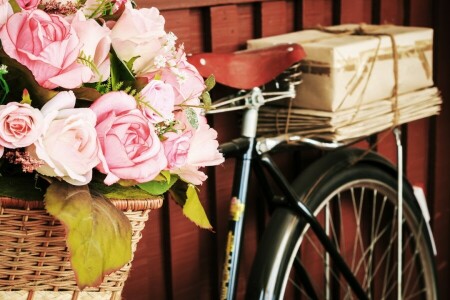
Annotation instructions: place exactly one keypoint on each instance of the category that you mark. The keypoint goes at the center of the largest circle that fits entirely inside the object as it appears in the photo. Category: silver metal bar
(266, 144)
(251, 99)
(397, 133)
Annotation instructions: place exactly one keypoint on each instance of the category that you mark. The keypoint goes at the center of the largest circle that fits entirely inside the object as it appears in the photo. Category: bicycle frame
(252, 153)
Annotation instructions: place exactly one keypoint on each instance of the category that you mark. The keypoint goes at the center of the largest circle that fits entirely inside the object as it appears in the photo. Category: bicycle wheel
(357, 207)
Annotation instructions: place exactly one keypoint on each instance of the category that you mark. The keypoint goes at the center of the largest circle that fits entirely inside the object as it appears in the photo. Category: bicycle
(347, 197)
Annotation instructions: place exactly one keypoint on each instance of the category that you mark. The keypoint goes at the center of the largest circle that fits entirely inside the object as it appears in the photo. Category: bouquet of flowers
(97, 101)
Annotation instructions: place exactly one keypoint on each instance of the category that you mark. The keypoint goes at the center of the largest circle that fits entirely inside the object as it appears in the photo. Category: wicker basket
(34, 260)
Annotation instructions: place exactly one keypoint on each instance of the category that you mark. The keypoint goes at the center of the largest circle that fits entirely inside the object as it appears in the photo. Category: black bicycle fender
(333, 162)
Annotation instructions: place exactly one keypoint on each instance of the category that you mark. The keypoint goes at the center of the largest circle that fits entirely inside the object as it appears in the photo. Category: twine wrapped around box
(327, 106)
(34, 259)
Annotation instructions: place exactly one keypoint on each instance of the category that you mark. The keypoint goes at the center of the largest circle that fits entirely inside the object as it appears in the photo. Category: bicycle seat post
(250, 116)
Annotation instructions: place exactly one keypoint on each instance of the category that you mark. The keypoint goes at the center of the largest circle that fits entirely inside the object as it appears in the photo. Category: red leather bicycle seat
(250, 68)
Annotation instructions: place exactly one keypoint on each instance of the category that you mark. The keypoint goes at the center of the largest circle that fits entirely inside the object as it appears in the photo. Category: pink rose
(188, 84)
(28, 4)
(96, 44)
(202, 152)
(176, 148)
(20, 125)
(129, 143)
(158, 101)
(68, 146)
(137, 33)
(48, 46)
(191, 174)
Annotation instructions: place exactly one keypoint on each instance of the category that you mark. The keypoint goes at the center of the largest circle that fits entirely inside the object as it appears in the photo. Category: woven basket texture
(34, 259)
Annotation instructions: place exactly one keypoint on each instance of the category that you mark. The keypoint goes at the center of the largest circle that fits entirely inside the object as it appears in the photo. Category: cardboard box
(344, 69)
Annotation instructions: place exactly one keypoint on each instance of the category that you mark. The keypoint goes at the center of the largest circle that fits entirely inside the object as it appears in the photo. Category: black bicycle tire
(280, 239)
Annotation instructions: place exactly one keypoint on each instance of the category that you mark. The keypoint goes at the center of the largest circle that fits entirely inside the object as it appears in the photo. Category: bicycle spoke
(360, 220)
(412, 296)
(319, 252)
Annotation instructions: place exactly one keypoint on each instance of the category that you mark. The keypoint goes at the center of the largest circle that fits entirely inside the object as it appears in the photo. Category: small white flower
(160, 61)
(171, 39)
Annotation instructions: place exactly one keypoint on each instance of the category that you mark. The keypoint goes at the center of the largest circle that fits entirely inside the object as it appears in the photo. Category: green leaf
(193, 209)
(178, 192)
(4, 87)
(192, 117)
(98, 234)
(20, 187)
(206, 98)
(119, 70)
(210, 82)
(25, 80)
(116, 15)
(117, 191)
(158, 187)
(15, 6)
(130, 63)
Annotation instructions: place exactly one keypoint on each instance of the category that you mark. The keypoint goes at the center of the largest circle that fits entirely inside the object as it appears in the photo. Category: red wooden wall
(175, 260)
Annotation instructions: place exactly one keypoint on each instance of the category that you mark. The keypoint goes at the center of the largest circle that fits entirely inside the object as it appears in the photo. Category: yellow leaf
(193, 209)
(98, 234)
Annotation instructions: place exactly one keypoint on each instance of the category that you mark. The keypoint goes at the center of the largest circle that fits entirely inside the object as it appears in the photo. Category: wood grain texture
(317, 12)
(391, 12)
(147, 276)
(224, 25)
(187, 25)
(356, 11)
(276, 17)
(421, 13)
(246, 22)
(174, 4)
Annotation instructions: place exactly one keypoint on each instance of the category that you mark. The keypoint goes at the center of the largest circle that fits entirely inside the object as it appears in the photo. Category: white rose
(68, 146)
(5, 11)
(138, 33)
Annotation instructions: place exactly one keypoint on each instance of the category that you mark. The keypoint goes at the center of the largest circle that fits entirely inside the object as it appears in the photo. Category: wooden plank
(207, 247)
(441, 214)
(421, 13)
(224, 25)
(175, 4)
(317, 12)
(246, 15)
(417, 152)
(391, 12)
(147, 273)
(387, 146)
(185, 259)
(277, 17)
(356, 11)
(187, 25)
